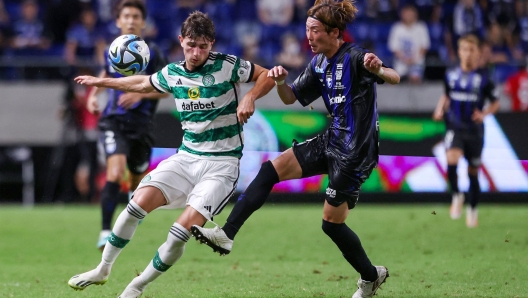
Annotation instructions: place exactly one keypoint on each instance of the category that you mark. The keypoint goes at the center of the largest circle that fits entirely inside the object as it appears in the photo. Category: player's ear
(118, 25)
(180, 38)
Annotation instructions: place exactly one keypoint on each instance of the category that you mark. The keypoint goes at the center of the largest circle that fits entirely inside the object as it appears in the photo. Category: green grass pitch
(280, 252)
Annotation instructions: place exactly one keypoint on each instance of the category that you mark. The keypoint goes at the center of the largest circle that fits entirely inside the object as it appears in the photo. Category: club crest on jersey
(208, 80)
(329, 81)
(193, 93)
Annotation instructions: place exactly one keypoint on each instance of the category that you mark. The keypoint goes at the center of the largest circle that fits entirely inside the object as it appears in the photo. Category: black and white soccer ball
(129, 54)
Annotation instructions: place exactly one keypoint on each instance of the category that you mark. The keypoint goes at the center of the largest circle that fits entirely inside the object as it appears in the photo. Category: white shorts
(204, 184)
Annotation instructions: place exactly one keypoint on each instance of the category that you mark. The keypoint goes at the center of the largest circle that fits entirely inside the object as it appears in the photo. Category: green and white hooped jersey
(207, 100)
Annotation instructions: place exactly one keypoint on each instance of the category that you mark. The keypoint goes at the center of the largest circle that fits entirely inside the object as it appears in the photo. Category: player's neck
(467, 68)
(334, 49)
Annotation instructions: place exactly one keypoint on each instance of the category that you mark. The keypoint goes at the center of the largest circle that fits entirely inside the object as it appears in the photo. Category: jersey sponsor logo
(197, 106)
(337, 99)
(193, 93)
(331, 193)
(463, 96)
(179, 82)
(208, 80)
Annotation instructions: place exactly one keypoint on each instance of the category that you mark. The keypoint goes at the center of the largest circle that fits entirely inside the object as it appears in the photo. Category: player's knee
(267, 173)
(331, 229)
(115, 174)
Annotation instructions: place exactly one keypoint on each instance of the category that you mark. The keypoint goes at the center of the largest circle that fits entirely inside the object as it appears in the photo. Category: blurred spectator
(84, 42)
(516, 88)
(409, 41)
(499, 50)
(251, 50)
(28, 31)
(4, 22)
(275, 17)
(382, 10)
(521, 30)
(291, 57)
(501, 12)
(466, 18)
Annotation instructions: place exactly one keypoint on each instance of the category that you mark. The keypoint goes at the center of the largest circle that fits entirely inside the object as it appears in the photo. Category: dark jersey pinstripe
(349, 93)
(467, 92)
(143, 111)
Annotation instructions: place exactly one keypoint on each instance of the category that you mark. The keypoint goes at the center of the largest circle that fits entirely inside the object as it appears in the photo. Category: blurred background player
(462, 106)
(203, 174)
(126, 122)
(345, 76)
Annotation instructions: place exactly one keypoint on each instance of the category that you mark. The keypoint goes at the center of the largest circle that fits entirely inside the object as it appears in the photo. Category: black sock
(350, 246)
(109, 200)
(453, 178)
(474, 190)
(252, 199)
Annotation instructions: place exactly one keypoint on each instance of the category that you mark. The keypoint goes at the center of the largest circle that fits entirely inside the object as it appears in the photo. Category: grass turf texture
(280, 252)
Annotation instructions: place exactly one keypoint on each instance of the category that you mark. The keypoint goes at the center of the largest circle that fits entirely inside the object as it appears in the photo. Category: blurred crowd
(416, 37)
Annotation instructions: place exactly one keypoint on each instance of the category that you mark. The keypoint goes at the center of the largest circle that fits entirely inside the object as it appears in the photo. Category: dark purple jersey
(349, 93)
(467, 92)
(143, 111)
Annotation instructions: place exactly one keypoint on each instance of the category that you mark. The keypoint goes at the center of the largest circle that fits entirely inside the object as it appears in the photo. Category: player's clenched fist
(277, 73)
(372, 62)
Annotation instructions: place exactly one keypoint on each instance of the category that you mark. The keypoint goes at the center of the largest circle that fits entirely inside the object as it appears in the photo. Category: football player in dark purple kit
(126, 121)
(462, 106)
(345, 76)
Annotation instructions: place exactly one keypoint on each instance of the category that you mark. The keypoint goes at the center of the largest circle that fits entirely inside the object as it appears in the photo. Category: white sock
(124, 228)
(166, 256)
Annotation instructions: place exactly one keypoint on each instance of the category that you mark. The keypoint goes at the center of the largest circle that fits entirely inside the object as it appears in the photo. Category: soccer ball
(129, 54)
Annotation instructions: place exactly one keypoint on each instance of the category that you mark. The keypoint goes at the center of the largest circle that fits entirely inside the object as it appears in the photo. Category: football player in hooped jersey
(126, 121)
(203, 175)
(345, 76)
(462, 106)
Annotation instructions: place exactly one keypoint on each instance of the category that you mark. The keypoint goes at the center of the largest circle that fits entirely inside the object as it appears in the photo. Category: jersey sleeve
(490, 91)
(159, 80)
(242, 71)
(366, 77)
(306, 87)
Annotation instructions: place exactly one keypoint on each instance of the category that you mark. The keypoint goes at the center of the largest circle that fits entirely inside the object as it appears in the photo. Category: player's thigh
(138, 160)
(218, 183)
(116, 150)
(287, 166)
(174, 178)
(344, 184)
(139, 156)
(310, 156)
(473, 145)
(454, 144)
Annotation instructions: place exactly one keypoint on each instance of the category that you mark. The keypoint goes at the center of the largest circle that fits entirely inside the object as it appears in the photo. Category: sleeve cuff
(153, 85)
(251, 72)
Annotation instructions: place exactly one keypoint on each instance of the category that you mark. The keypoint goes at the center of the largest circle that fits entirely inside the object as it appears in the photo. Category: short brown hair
(197, 25)
(333, 14)
(471, 38)
(139, 4)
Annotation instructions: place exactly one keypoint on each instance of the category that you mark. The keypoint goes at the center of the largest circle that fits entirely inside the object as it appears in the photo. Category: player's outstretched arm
(373, 64)
(279, 74)
(137, 83)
